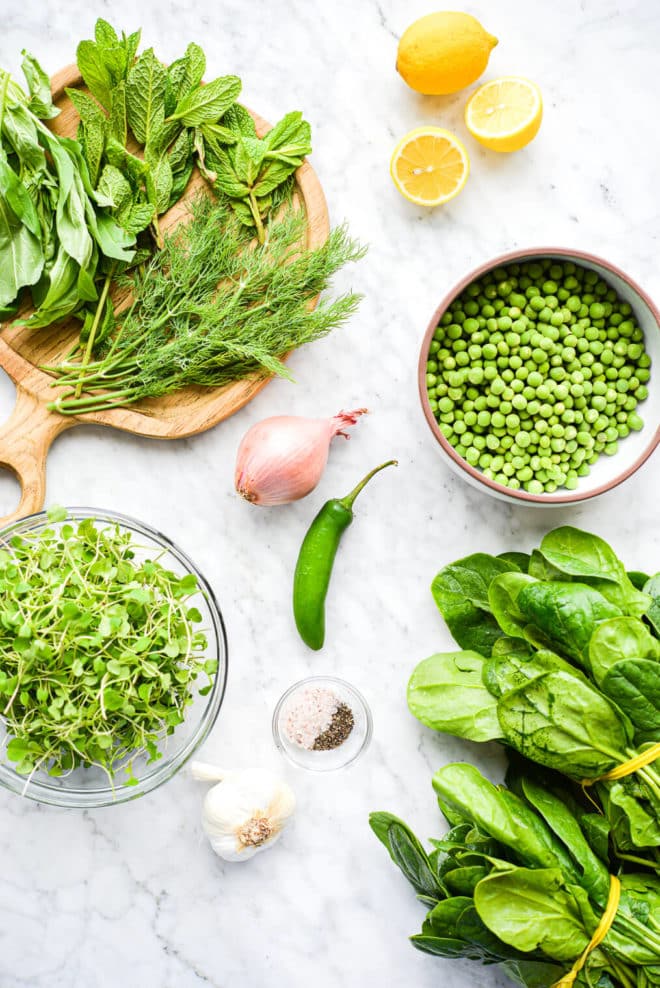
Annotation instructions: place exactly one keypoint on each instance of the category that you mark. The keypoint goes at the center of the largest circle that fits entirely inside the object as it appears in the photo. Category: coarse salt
(309, 713)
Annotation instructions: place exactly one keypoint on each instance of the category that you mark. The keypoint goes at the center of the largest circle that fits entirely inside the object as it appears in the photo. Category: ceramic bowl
(634, 450)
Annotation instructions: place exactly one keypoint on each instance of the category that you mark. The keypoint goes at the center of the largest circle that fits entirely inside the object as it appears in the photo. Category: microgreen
(98, 648)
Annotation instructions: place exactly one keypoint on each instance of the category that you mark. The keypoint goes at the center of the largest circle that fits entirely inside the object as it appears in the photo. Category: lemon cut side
(505, 114)
(429, 166)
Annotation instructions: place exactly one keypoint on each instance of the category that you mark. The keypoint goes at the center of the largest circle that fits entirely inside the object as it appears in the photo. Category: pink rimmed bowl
(634, 450)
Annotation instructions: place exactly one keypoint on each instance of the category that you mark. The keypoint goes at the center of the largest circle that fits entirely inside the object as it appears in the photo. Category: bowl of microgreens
(535, 377)
(113, 658)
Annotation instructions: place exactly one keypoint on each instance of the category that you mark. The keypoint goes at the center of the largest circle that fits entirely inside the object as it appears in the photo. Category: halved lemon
(505, 114)
(429, 166)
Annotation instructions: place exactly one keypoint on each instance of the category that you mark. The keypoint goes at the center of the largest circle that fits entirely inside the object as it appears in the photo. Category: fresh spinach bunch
(54, 235)
(561, 663)
(521, 880)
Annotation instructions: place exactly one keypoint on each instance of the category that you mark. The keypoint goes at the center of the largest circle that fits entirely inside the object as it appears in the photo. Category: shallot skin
(282, 458)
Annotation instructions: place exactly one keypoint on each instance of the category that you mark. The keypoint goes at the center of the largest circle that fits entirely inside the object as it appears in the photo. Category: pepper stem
(347, 501)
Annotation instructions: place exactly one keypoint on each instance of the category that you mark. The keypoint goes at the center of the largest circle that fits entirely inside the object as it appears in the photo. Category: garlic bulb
(246, 812)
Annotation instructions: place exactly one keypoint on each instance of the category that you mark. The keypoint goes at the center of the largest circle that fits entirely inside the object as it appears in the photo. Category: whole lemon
(443, 52)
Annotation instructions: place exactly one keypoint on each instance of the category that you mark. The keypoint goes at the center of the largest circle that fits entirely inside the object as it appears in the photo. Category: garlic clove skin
(282, 458)
(246, 812)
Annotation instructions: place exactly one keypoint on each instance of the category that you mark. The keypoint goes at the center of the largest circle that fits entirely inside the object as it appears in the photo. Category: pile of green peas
(534, 371)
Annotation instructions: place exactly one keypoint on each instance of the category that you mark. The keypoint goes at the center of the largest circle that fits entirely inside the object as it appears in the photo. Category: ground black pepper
(340, 727)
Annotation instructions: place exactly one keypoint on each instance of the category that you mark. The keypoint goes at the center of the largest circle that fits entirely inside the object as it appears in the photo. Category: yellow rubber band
(627, 768)
(600, 933)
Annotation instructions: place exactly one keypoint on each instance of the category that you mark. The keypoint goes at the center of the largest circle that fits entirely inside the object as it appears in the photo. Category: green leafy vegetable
(208, 309)
(98, 649)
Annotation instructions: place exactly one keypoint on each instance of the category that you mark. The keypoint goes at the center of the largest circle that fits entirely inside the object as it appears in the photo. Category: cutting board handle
(25, 439)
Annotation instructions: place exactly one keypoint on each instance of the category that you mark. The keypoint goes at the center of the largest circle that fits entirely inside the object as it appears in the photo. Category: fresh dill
(213, 307)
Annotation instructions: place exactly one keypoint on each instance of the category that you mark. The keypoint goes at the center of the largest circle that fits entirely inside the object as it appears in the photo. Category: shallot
(281, 459)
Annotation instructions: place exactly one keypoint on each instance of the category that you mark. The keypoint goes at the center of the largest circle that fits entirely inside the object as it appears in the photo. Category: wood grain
(27, 435)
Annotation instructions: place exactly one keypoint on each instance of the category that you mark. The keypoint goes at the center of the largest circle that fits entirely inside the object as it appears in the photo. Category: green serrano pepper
(315, 560)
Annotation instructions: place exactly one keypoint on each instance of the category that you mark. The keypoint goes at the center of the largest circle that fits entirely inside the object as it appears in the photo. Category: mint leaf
(114, 189)
(94, 130)
(94, 71)
(145, 93)
(105, 34)
(207, 103)
(118, 125)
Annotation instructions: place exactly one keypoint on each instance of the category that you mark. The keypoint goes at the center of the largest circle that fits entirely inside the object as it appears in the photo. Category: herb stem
(100, 309)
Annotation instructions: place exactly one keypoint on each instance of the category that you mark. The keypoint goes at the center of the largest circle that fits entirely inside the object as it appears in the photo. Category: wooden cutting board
(26, 436)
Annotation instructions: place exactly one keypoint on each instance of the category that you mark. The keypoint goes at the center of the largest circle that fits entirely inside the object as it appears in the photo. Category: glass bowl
(334, 758)
(87, 787)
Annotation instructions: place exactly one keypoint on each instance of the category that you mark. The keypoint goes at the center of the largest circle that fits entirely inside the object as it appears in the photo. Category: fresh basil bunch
(561, 663)
(54, 234)
(522, 879)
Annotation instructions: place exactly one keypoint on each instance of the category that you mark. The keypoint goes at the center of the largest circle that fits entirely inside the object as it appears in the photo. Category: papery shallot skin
(282, 458)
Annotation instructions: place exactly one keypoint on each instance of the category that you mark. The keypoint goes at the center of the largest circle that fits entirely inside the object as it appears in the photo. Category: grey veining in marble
(132, 895)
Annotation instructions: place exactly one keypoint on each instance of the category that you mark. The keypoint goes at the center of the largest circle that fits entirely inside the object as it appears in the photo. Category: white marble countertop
(132, 895)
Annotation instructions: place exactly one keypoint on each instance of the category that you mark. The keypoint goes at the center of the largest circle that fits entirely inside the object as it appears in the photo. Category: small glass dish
(333, 758)
(89, 786)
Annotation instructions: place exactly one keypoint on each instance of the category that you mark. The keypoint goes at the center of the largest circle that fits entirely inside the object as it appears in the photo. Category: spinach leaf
(634, 685)
(446, 692)
(581, 554)
(503, 596)
(637, 579)
(460, 591)
(633, 815)
(620, 638)
(534, 909)
(520, 560)
(503, 673)
(561, 721)
(407, 853)
(590, 559)
(504, 816)
(594, 876)
(463, 880)
(565, 613)
(652, 588)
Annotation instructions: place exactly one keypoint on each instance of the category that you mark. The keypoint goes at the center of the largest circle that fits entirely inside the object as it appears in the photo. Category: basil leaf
(41, 100)
(21, 257)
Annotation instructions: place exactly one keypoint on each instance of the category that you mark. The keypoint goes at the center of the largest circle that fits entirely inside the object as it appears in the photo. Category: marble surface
(132, 895)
